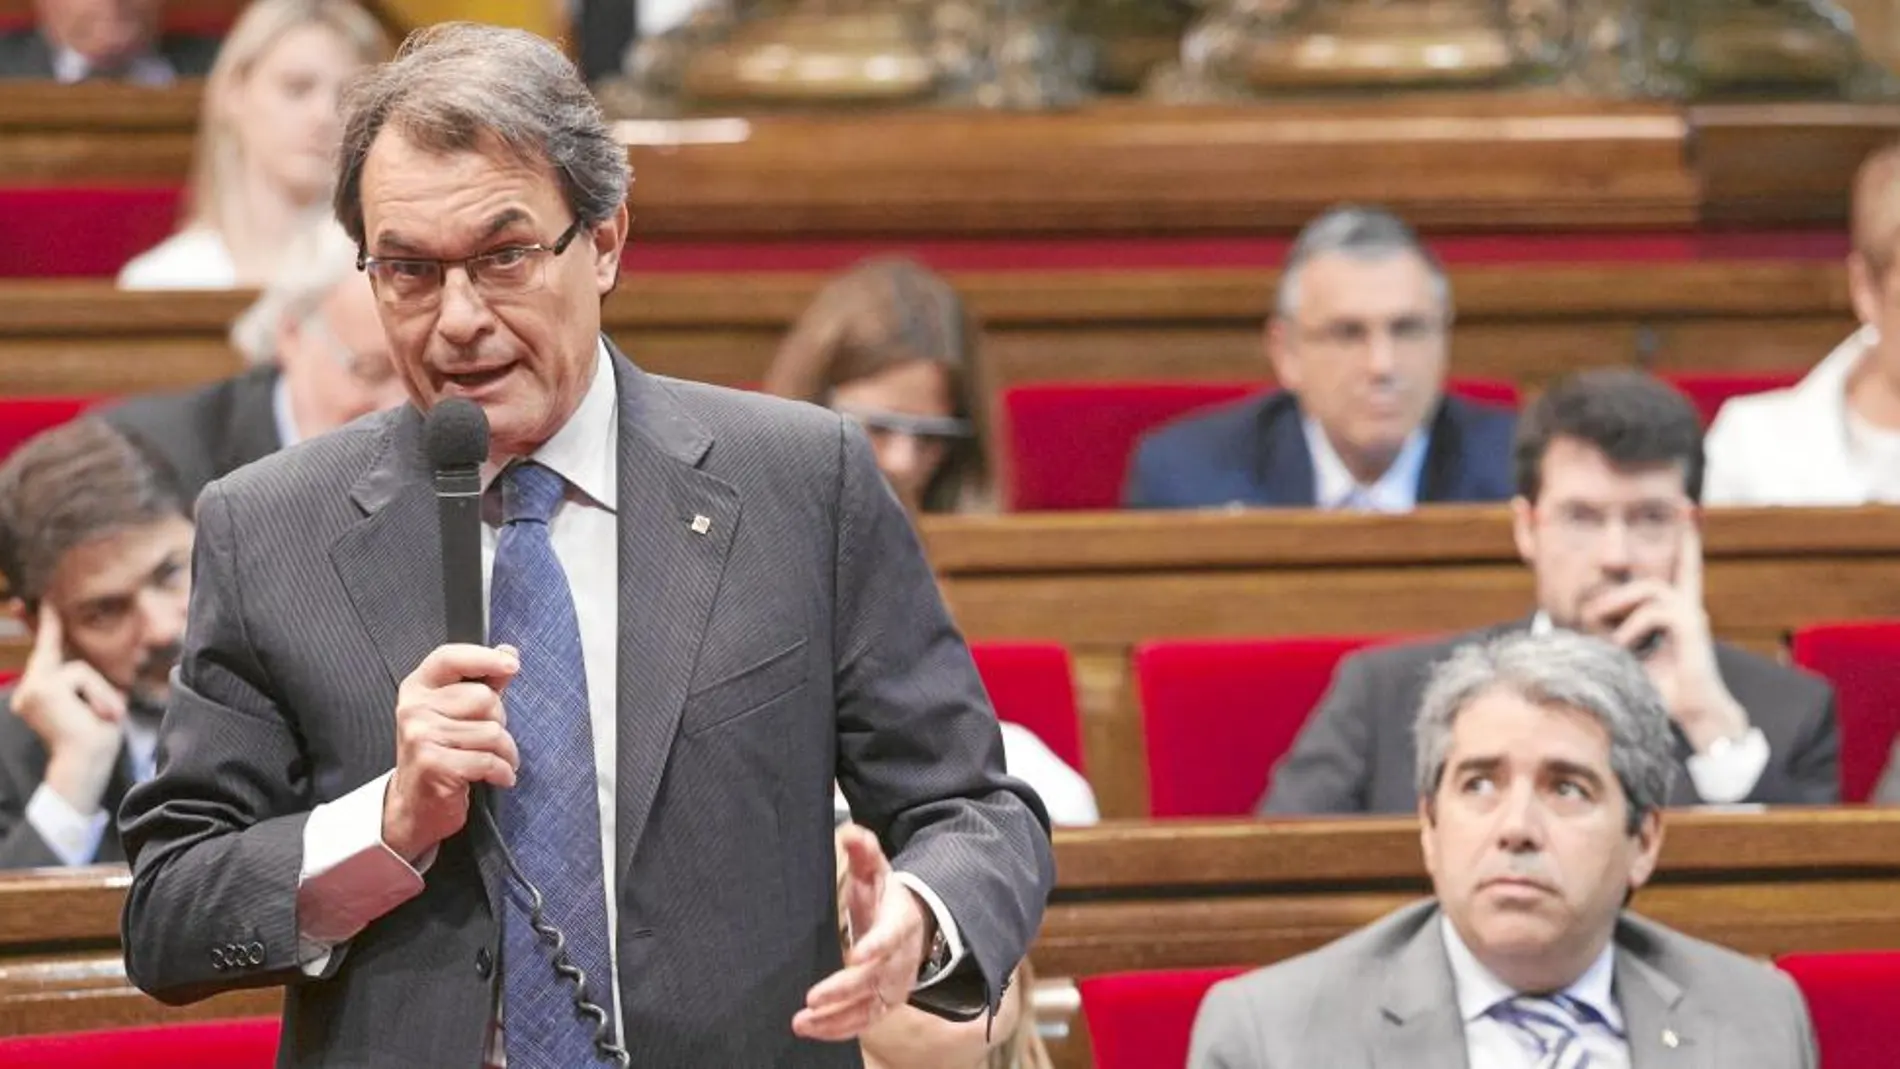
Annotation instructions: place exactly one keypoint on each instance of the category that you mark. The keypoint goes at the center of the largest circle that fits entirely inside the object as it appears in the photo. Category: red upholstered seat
(1068, 443)
(81, 232)
(1853, 998)
(1708, 390)
(1032, 684)
(246, 1043)
(1143, 1020)
(23, 417)
(1218, 714)
(1862, 660)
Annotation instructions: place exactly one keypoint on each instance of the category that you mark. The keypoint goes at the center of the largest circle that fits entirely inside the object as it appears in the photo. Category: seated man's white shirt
(75, 837)
(349, 876)
(1334, 486)
(1492, 1044)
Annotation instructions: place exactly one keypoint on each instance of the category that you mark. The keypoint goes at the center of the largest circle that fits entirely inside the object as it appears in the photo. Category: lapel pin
(701, 524)
(1670, 1039)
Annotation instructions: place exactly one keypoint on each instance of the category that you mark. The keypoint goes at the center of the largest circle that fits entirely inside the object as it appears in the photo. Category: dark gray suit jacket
(799, 638)
(1384, 998)
(25, 54)
(1356, 755)
(206, 433)
(22, 769)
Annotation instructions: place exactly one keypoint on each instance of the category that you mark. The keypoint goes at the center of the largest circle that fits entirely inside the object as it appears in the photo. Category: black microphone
(457, 434)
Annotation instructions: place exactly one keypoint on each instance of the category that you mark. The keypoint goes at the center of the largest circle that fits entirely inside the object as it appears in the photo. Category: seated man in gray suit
(318, 360)
(96, 548)
(1544, 762)
(1609, 470)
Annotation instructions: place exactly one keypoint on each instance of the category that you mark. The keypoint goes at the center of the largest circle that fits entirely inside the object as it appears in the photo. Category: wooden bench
(1140, 896)
(1526, 324)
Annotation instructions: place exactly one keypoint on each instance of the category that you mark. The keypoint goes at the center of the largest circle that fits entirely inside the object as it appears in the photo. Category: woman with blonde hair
(890, 344)
(267, 140)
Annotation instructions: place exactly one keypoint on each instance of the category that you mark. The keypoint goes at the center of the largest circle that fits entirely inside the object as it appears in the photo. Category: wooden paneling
(1527, 324)
(1133, 895)
(1549, 162)
(1167, 895)
(1102, 583)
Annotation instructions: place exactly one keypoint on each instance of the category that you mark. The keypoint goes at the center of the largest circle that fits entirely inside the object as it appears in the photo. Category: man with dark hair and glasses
(1609, 472)
(318, 360)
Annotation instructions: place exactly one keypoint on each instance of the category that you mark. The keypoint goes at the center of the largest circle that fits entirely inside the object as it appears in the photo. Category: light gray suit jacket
(801, 637)
(1383, 998)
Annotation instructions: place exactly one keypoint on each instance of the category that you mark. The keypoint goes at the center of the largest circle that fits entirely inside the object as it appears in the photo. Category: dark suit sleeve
(216, 838)
(1329, 767)
(1814, 766)
(20, 846)
(920, 756)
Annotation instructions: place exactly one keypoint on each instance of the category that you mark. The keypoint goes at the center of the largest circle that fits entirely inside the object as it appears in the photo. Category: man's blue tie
(1552, 1028)
(551, 819)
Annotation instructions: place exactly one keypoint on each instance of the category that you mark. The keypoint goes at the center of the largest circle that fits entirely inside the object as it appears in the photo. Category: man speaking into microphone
(605, 833)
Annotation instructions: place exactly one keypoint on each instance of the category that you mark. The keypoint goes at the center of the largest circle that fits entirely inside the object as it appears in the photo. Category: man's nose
(1520, 819)
(463, 315)
(899, 455)
(161, 616)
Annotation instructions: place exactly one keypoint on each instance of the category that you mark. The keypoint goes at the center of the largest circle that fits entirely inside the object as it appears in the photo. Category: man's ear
(1524, 528)
(609, 240)
(1282, 355)
(1649, 839)
(1863, 287)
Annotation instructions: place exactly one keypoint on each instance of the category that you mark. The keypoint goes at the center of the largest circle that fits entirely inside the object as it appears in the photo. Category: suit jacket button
(217, 958)
(254, 953)
(484, 963)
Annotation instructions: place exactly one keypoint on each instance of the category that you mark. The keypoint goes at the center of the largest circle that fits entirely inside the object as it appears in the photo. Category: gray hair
(318, 261)
(462, 87)
(1361, 233)
(1563, 669)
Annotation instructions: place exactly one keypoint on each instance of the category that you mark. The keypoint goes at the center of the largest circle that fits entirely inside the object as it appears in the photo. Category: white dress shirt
(350, 877)
(1492, 1044)
(1334, 487)
(74, 837)
(1729, 770)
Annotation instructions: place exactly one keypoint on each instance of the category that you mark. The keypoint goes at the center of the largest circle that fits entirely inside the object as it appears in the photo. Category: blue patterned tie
(551, 819)
(1552, 1028)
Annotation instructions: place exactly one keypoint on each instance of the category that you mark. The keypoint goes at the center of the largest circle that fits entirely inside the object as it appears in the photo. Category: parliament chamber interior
(1113, 201)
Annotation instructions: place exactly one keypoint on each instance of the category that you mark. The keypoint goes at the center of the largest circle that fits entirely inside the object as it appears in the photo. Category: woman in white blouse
(267, 137)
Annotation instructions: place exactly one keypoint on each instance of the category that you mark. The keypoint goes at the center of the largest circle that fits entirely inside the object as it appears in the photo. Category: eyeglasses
(1650, 525)
(1406, 331)
(934, 430)
(411, 283)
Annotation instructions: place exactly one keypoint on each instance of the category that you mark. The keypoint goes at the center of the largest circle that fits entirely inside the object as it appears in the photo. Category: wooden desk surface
(1527, 324)
(1152, 896)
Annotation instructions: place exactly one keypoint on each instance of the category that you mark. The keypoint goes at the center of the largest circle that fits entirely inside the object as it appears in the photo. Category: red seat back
(1862, 660)
(1853, 999)
(81, 232)
(246, 1043)
(1708, 390)
(1068, 444)
(23, 417)
(1143, 1020)
(1219, 714)
(1033, 684)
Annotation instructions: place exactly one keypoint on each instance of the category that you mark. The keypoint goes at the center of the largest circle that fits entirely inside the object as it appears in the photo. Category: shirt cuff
(945, 924)
(72, 836)
(1730, 769)
(350, 876)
